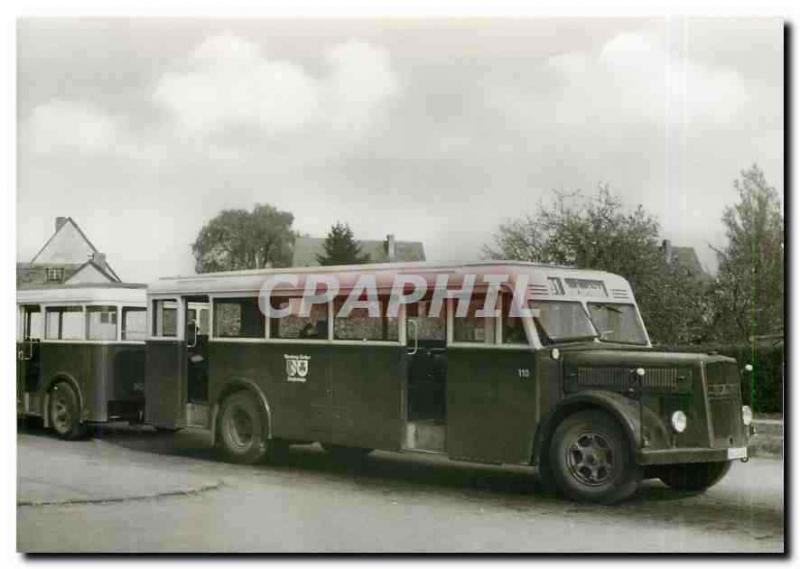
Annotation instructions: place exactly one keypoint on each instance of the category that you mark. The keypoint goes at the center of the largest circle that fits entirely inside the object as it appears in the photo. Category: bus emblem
(296, 367)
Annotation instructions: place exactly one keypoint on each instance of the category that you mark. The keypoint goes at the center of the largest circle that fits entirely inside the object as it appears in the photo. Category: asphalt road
(130, 490)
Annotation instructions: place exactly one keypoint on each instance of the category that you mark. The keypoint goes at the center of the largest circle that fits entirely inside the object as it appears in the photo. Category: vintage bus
(80, 355)
(559, 374)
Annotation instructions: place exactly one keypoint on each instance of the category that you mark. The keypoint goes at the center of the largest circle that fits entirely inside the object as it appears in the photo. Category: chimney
(391, 248)
(99, 259)
(666, 246)
(60, 221)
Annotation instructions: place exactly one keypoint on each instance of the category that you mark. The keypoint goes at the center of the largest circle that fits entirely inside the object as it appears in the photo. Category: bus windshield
(617, 323)
(559, 321)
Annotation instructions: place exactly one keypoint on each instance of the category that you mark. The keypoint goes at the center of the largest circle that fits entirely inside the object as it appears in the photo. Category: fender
(631, 416)
(236, 384)
(59, 377)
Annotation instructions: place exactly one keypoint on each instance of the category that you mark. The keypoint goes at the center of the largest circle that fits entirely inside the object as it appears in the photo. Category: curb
(767, 441)
(113, 499)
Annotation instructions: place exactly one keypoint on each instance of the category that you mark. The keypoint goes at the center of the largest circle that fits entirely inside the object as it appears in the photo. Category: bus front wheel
(694, 477)
(590, 459)
(65, 412)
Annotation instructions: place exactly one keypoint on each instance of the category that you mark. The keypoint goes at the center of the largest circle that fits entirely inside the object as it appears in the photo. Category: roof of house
(69, 222)
(306, 250)
(34, 275)
(687, 257)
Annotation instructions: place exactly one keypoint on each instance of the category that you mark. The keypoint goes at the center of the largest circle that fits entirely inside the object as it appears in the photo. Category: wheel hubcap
(60, 413)
(240, 427)
(590, 459)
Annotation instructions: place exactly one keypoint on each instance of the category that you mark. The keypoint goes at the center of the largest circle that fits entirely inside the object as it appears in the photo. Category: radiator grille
(655, 379)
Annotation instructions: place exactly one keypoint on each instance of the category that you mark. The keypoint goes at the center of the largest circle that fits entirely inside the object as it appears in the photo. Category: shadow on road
(514, 488)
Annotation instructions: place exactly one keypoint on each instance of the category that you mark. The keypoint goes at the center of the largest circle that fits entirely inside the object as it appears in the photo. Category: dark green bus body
(356, 396)
(108, 377)
(473, 398)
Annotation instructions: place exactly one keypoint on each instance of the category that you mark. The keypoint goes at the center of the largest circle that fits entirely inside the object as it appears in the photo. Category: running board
(427, 436)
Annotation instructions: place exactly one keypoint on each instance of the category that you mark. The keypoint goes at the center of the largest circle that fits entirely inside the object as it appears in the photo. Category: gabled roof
(306, 250)
(107, 270)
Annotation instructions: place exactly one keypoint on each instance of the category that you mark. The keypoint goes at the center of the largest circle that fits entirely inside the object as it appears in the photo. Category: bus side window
(513, 329)
(101, 322)
(294, 326)
(238, 318)
(472, 328)
(134, 323)
(64, 323)
(359, 325)
(165, 318)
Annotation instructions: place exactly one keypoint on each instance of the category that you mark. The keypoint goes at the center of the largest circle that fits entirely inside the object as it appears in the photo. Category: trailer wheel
(65, 412)
(590, 459)
(241, 429)
(694, 477)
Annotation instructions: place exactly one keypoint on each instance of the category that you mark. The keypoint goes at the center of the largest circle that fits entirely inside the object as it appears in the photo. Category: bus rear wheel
(590, 459)
(65, 412)
(694, 477)
(241, 431)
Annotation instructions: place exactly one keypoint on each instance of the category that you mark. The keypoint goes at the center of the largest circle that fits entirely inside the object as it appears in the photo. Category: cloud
(67, 125)
(636, 77)
(229, 82)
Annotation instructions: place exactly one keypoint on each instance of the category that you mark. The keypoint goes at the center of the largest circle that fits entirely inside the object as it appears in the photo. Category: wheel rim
(240, 428)
(590, 459)
(60, 413)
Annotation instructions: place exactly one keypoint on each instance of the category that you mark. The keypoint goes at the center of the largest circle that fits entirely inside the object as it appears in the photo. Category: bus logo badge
(296, 367)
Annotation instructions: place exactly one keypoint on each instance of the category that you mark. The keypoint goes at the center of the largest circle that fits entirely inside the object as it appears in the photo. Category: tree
(237, 239)
(597, 233)
(749, 290)
(341, 248)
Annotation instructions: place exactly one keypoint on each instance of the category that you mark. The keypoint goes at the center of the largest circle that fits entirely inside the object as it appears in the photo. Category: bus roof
(128, 293)
(538, 275)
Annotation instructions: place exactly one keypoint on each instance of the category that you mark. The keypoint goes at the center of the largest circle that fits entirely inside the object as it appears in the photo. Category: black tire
(345, 454)
(241, 429)
(694, 477)
(590, 459)
(64, 412)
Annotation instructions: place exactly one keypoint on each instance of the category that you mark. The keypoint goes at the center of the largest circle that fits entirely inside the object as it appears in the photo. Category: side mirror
(748, 367)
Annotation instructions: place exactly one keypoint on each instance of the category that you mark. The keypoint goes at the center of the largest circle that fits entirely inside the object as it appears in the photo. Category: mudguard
(642, 427)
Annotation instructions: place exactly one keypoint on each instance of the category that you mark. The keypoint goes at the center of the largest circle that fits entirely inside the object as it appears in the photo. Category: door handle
(416, 337)
(194, 340)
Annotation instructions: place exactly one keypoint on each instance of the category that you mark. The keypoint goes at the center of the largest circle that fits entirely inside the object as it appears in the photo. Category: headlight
(678, 421)
(747, 415)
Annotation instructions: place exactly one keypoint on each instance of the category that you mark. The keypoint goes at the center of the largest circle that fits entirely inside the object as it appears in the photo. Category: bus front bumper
(686, 455)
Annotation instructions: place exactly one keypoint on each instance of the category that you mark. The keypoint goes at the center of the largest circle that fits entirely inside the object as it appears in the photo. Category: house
(68, 257)
(685, 257)
(306, 250)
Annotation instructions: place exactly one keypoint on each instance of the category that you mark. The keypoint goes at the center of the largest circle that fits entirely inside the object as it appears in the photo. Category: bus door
(491, 388)
(426, 385)
(28, 358)
(196, 310)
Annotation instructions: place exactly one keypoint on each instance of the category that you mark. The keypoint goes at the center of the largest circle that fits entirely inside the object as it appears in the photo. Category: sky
(432, 130)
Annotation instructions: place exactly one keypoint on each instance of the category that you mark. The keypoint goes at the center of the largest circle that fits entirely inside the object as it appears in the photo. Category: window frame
(122, 308)
(212, 337)
(82, 339)
(86, 311)
(580, 302)
(401, 315)
(151, 319)
(498, 344)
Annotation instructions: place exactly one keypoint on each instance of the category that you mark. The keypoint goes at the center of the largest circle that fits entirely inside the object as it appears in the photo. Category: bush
(763, 388)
